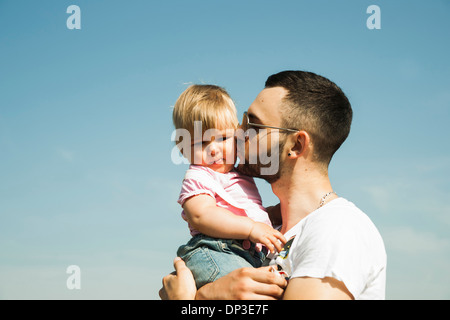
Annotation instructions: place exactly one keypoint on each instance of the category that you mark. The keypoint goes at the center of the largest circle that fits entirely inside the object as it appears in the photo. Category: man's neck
(300, 194)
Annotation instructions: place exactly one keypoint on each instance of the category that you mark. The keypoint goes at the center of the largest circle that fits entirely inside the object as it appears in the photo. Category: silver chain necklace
(322, 201)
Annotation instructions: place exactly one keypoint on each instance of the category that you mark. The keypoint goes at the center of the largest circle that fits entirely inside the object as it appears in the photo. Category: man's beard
(254, 169)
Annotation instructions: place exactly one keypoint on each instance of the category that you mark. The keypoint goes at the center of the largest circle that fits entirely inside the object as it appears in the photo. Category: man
(335, 251)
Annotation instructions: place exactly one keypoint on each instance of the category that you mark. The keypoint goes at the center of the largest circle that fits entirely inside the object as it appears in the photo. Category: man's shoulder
(341, 217)
(341, 211)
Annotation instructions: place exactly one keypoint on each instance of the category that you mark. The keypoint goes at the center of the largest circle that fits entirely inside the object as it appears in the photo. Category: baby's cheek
(232, 146)
(197, 158)
(231, 150)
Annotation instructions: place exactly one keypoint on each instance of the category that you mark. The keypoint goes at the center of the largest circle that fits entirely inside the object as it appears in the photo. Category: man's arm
(244, 284)
(240, 284)
(316, 289)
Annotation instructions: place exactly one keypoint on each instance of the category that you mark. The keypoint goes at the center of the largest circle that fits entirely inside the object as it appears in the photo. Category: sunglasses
(247, 124)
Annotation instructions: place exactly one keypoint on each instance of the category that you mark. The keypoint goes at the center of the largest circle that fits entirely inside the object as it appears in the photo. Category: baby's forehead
(211, 134)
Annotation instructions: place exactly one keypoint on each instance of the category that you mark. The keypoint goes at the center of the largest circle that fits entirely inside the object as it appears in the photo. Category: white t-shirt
(337, 240)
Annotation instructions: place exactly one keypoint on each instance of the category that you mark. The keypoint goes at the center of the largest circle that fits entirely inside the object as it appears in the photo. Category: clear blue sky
(86, 176)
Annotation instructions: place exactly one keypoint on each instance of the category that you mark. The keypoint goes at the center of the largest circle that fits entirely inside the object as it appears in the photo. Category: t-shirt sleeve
(333, 248)
(193, 187)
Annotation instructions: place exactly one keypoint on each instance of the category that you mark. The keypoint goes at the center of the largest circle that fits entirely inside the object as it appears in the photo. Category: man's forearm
(206, 292)
(244, 284)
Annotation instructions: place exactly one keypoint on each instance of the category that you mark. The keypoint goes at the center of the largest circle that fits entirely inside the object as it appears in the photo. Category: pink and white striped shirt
(233, 191)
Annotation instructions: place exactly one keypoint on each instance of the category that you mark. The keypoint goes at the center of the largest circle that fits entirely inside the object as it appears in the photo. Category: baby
(230, 228)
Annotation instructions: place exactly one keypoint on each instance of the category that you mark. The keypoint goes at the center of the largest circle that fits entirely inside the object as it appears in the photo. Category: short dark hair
(316, 105)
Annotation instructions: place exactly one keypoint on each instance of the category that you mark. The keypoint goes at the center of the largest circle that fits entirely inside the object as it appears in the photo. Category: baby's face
(216, 150)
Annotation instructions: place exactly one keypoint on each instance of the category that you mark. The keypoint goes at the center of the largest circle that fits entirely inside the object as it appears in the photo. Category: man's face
(260, 154)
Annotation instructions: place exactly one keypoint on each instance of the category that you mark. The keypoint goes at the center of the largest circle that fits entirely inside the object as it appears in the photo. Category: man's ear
(301, 145)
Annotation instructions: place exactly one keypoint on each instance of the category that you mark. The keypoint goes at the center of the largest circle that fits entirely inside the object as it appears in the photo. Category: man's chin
(254, 170)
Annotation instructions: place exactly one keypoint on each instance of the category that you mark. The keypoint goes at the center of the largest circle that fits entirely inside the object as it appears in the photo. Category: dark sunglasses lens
(244, 123)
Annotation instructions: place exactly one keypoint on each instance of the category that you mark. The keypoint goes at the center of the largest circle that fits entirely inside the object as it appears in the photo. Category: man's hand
(180, 284)
(268, 236)
(245, 284)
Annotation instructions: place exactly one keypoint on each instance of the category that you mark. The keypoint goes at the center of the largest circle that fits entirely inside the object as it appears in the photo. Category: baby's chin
(222, 167)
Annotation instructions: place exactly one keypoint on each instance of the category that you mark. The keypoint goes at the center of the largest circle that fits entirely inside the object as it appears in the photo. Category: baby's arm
(205, 216)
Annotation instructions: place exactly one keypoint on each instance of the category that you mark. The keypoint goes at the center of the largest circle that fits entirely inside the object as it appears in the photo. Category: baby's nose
(214, 149)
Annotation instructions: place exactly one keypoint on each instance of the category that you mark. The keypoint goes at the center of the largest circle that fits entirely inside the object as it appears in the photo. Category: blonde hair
(209, 104)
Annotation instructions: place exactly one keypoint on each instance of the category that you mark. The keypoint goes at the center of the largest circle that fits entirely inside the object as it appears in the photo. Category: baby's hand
(268, 236)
